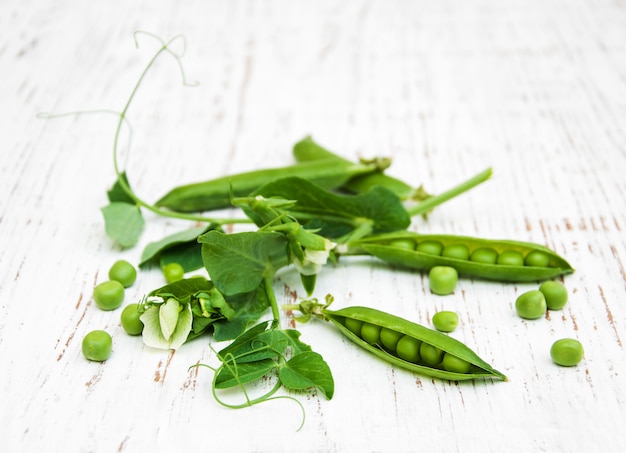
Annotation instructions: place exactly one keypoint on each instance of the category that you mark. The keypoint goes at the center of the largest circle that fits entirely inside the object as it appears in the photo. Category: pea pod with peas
(491, 259)
(403, 343)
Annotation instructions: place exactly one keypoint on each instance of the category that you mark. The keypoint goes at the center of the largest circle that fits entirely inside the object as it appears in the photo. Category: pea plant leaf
(305, 370)
(181, 247)
(234, 372)
(334, 214)
(248, 309)
(239, 262)
(123, 222)
(117, 193)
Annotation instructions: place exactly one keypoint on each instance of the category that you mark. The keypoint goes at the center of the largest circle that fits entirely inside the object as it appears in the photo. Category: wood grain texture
(534, 89)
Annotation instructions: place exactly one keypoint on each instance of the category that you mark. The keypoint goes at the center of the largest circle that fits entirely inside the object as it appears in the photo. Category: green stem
(269, 291)
(428, 204)
(118, 172)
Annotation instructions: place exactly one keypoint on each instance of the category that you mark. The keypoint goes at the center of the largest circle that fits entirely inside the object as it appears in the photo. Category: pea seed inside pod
(454, 364)
(430, 247)
(537, 258)
(456, 251)
(430, 354)
(408, 348)
(354, 326)
(510, 258)
(389, 338)
(484, 255)
(405, 244)
(370, 333)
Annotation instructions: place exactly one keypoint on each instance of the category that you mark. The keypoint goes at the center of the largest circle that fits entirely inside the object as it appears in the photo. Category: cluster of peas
(551, 295)
(411, 349)
(533, 304)
(483, 255)
(109, 295)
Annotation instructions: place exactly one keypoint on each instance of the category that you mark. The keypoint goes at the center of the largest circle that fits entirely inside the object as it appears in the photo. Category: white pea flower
(313, 259)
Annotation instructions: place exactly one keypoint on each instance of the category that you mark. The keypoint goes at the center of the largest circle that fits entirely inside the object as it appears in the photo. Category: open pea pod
(482, 258)
(458, 362)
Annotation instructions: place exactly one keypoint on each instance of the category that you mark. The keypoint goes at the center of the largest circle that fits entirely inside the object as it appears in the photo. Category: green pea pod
(477, 367)
(538, 262)
(307, 150)
(217, 193)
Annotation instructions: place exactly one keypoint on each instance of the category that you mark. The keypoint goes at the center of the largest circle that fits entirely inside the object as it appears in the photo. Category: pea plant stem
(425, 206)
(165, 47)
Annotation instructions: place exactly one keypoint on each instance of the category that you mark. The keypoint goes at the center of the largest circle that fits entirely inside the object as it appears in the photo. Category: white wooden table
(534, 89)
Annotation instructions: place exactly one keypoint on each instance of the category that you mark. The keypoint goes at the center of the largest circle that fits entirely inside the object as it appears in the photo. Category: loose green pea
(555, 294)
(129, 318)
(445, 321)
(406, 244)
(567, 352)
(108, 295)
(455, 364)
(430, 247)
(370, 333)
(408, 348)
(484, 255)
(430, 354)
(389, 338)
(510, 258)
(123, 272)
(97, 345)
(354, 326)
(456, 251)
(531, 304)
(537, 258)
(442, 279)
(173, 272)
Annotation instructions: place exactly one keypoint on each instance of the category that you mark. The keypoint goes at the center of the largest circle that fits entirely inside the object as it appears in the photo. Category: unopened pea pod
(307, 150)
(217, 193)
(346, 319)
(535, 262)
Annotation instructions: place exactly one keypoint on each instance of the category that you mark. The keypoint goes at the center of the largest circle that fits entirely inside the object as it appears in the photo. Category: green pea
(456, 251)
(406, 244)
(108, 295)
(430, 354)
(123, 272)
(97, 345)
(430, 247)
(537, 258)
(567, 352)
(445, 321)
(354, 326)
(173, 272)
(130, 319)
(454, 364)
(408, 348)
(389, 338)
(370, 333)
(555, 294)
(531, 304)
(484, 255)
(442, 279)
(510, 258)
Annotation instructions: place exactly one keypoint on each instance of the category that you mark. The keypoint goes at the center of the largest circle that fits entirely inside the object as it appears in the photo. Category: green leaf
(248, 308)
(183, 290)
(117, 194)
(305, 370)
(181, 247)
(257, 344)
(123, 222)
(238, 263)
(337, 215)
(231, 374)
